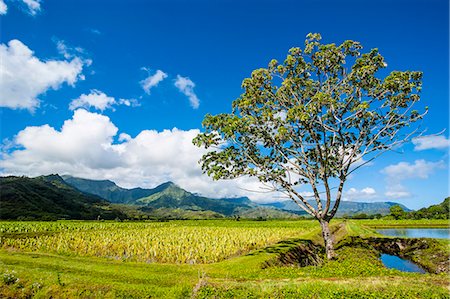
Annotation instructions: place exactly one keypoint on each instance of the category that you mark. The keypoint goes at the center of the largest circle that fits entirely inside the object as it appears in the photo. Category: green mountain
(172, 196)
(267, 213)
(160, 200)
(439, 211)
(165, 191)
(345, 207)
(169, 198)
(49, 197)
(108, 190)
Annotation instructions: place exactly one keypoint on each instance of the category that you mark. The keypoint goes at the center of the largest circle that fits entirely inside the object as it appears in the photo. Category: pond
(435, 233)
(394, 262)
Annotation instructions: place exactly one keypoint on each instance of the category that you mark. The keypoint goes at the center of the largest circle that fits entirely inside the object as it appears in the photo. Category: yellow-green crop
(171, 242)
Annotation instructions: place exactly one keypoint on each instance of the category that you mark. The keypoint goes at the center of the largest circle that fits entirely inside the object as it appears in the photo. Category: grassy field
(196, 259)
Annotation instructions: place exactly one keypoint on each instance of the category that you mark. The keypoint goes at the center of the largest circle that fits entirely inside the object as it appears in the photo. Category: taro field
(179, 242)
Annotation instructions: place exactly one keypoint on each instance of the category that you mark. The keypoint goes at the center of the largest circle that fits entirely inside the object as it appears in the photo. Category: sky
(117, 89)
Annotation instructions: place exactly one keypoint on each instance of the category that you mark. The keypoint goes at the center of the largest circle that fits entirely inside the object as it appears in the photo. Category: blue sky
(96, 88)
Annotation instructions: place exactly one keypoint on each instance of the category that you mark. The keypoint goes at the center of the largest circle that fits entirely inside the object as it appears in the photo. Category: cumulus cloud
(88, 145)
(83, 142)
(431, 142)
(419, 169)
(3, 8)
(186, 86)
(397, 173)
(152, 80)
(99, 100)
(96, 99)
(25, 77)
(355, 194)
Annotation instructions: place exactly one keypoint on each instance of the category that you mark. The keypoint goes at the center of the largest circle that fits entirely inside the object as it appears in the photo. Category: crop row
(158, 242)
(12, 227)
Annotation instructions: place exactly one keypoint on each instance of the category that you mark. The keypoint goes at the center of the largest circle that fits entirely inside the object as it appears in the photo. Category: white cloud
(82, 143)
(152, 80)
(355, 194)
(85, 147)
(420, 169)
(129, 102)
(124, 137)
(34, 6)
(431, 142)
(397, 173)
(99, 100)
(63, 49)
(397, 194)
(3, 8)
(96, 99)
(71, 52)
(25, 77)
(186, 86)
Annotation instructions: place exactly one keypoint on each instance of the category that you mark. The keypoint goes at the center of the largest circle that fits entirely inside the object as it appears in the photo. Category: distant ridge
(50, 198)
(56, 197)
(169, 195)
(165, 196)
(108, 190)
(345, 207)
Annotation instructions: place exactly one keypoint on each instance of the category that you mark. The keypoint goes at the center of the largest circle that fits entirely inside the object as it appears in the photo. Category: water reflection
(435, 233)
(394, 262)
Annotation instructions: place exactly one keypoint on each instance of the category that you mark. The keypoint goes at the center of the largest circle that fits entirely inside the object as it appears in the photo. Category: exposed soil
(303, 253)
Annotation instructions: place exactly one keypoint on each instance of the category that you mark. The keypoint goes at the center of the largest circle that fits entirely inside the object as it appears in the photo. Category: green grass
(381, 223)
(357, 273)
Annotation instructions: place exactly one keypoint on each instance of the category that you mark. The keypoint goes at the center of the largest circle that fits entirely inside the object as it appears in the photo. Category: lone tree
(311, 120)
(397, 212)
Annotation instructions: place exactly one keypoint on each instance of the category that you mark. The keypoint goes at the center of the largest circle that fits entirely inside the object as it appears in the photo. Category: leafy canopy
(309, 118)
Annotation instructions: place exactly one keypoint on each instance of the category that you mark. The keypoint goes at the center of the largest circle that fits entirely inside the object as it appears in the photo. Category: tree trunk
(327, 239)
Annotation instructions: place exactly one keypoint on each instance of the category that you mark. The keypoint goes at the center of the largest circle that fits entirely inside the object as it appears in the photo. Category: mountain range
(50, 198)
(109, 190)
(166, 195)
(69, 197)
(346, 208)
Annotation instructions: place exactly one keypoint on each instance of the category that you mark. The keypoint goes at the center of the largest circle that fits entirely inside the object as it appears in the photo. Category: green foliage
(439, 211)
(347, 209)
(361, 216)
(10, 277)
(309, 118)
(397, 212)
